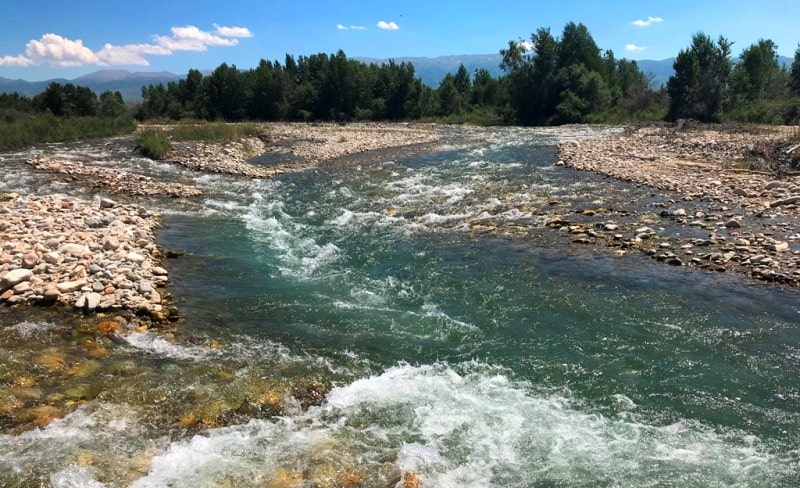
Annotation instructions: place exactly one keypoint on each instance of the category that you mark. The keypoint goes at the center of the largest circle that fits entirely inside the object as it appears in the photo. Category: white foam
(30, 329)
(155, 344)
(76, 477)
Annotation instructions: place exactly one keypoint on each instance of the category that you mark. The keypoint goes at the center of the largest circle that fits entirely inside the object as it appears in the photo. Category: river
(508, 358)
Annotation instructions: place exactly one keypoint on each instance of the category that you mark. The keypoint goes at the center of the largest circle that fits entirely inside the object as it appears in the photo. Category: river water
(492, 359)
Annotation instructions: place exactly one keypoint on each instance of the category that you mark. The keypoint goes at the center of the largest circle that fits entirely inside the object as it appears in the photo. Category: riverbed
(393, 319)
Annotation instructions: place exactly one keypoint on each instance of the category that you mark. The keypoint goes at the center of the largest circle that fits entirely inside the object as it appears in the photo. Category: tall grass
(32, 129)
(212, 132)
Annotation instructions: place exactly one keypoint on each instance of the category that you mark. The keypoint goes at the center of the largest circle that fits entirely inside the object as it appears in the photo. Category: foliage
(794, 76)
(697, 88)
(566, 80)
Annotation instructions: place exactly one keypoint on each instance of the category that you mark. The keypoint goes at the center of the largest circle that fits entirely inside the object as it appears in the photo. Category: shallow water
(468, 360)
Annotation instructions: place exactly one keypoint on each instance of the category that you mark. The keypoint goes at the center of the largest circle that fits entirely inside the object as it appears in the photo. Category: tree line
(547, 80)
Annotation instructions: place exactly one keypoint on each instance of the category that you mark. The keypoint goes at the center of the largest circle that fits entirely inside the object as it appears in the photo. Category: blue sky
(48, 39)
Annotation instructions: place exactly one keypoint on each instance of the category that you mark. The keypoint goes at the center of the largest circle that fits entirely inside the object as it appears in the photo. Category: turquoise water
(469, 360)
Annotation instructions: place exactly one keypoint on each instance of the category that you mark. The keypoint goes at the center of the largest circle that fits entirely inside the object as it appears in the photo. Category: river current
(466, 359)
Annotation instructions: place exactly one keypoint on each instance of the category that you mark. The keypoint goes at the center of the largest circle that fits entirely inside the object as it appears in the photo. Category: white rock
(74, 249)
(135, 258)
(51, 257)
(70, 286)
(14, 277)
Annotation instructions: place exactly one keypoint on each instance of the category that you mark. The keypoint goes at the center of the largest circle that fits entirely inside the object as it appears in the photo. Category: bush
(153, 144)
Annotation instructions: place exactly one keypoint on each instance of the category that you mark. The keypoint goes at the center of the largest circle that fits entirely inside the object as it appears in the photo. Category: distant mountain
(433, 70)
(26, 88)
(127, 83)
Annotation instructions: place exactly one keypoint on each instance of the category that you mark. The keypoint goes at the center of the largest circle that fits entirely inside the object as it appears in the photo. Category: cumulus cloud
(233, 31)
(388, 25)
(59, 51)
(634, 48)
(15, 61)
(54, 50)
(133, 54)
(647, 23)
(190, 38)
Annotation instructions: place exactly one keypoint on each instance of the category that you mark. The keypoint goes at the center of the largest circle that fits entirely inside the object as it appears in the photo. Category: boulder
(14, 277)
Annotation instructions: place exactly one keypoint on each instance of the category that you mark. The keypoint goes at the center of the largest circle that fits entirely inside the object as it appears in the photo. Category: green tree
(112, 105)
(449, 98)
(225, 93)
(794, 74)
(697, 88)
(485, 89)
(755, 73)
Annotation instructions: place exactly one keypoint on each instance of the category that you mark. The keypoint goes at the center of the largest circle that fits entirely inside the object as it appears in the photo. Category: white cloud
(527, 45)
(15, 61)
(190, 38)
(634, 48)
(112, 55)
(647, 23)
(388, 25)
(233, 31)
(350, 27)
(58, 51)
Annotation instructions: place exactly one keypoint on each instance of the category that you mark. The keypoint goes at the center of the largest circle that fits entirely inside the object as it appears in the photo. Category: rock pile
(704, 168)
(705, 163)
(113, 180)
(90, 256)
(230, 158)
(310, 143)
(321, 142)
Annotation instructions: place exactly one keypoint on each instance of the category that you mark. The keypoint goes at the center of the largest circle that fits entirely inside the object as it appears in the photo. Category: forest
(547, 80)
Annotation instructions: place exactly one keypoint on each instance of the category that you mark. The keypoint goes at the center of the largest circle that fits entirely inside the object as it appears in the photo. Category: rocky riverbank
(113, 180)
(734, 218)
(88, 256)
(295, 147)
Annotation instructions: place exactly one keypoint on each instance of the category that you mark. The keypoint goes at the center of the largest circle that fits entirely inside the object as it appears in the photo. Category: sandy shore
(750, 218)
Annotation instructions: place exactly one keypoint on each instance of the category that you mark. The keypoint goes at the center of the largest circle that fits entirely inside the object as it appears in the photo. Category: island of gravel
(100, 256)
(732, 189)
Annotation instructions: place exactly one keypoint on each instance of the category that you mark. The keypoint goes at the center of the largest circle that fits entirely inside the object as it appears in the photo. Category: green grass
(211, 132)
(33, 129)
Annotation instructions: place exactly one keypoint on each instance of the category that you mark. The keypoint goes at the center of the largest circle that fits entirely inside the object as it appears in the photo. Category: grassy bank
(156, 142)
(32, 129)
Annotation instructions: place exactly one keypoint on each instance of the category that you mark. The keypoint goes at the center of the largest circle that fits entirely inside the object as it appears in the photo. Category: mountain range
(430, 70)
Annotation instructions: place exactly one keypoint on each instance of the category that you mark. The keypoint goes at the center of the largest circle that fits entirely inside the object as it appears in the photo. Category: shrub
(153, 144)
